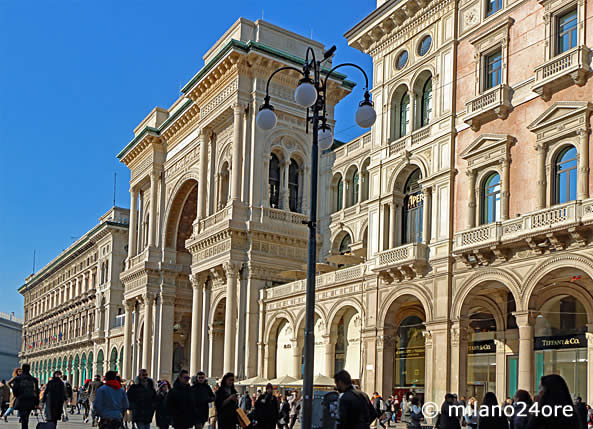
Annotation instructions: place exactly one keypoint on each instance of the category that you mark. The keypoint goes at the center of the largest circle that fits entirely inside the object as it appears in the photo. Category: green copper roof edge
(67, 252)
(145, 130)
(174, 116)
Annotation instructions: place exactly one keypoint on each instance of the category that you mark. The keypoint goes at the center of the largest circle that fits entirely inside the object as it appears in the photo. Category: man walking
(202, 396)
(4, 397)
(111, 402)
(355, 410)
(180, 402)
(54, 397)
(26, 391)
(142, 398)
(93, 388)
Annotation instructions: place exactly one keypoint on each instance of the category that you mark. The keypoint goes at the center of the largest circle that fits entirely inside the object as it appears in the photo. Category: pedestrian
(15, 373)
(355, 410)
(26, 391)
(284, 414)
(83, 399)
(581, 409)
(493, 418)
(68, 388)
(163, 419)
(450, 414)
(227, 402)
(180, 402)
(245, 402)
(54, 397)
(416, 415)
(553, 392)
(295, 408)
(396, 409)
(111, 402)
(521, 404)
(267, 409)
(406, 409)
(93, 388)
(4, 397)
(142, 398)
(589, 416)
(203, 396)
(471, 413)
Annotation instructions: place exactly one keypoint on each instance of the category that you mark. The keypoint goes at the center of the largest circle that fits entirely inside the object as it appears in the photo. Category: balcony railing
(284, 216)
(410, 140)
(354, 145)
(572, 65)
(491, 104)
(559, 217)
(401, 262)
(220, 216)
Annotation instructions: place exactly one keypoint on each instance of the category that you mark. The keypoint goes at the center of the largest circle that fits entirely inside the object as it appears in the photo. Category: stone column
(166, 343)
(237, 153)
(426, 212)
(285, 205)
(583, 175)
(156, 336)
(330, 356)
(459, 334)
(501, 379)
(505, 190)
(296, 359)
(197, 282)
(127, 360)
(133, 220)
(252, 309)
(147, 342)
(471, 199)
(541, 178)
(525, 324)
(392, 219)
(205, 317)
(154, 187)
(230, 322)
(202, 183)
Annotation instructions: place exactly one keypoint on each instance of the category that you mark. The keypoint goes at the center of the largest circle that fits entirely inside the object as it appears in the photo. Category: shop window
(409, 353)
(293, 186)
(566, 31)
(274, 181)
(412, 210)
(491, 199)
(565, 172)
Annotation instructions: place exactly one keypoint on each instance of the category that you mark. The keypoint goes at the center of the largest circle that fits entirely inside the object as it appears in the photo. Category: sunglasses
(186, 378)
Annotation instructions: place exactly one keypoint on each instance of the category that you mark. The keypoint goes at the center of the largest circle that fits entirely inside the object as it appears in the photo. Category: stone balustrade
(572, 65)
(490, 104)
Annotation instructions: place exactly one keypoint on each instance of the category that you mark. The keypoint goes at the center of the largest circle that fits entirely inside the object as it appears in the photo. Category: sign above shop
(478, 347)
(560, 342)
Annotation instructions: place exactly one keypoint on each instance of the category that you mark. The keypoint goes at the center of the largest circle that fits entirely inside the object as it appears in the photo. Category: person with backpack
(26, 391)
(355, 410)
(142, 398)
(68, 389)
(54, 397)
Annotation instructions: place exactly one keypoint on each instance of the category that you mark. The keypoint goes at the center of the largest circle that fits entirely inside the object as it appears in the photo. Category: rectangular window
(493, 6)
(493, 70)
(566, 31)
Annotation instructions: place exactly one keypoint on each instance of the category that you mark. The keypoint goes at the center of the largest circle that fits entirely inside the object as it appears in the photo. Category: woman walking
(53, 398)
(227, 402)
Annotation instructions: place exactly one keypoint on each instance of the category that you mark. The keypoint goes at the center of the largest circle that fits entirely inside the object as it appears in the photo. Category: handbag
(243, 419)
(43, 424)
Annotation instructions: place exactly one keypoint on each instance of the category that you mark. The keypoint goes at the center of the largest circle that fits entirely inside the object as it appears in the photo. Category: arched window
(565, 169)
(355, 185)
(224, 186)
(412, 210)
(339, 194)
(404, 115)
(491, 199)
(426, 103)
(365, 180)
(345, 244)
(293, 186)
(274, 181)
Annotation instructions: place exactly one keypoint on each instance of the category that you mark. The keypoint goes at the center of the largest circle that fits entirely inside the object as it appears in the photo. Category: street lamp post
(311, 93)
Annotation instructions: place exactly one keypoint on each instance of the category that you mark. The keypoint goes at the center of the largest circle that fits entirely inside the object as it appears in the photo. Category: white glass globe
(325, 138)
(305, 95)
(266, 119)
(365, 116)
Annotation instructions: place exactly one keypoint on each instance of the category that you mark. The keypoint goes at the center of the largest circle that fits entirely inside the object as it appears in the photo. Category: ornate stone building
(73, 318)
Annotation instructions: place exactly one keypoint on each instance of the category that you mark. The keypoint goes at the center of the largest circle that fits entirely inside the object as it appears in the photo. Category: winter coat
(266, 411)
(4, 393)
(163, 419)
(520, 421)
(245, 403)
(26, 391)
(284, 415)
(448, 418)
(355, 410)
(142, 400)
(93, 387)
(226, 408)
(111, 401)
(179, 405)
(202, 396)
(54, 397)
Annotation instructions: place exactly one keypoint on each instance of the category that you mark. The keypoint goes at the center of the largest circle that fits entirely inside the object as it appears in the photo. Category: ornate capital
(231, 269)
(198, 279)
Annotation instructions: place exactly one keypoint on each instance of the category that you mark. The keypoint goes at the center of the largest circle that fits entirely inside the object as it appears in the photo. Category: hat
(162, 383)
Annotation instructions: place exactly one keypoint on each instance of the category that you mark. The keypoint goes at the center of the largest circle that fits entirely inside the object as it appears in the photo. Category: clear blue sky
(78, 76)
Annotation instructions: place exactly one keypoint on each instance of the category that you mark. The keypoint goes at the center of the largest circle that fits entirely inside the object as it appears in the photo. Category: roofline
(374, 14)
(75, 246)
(135, 140)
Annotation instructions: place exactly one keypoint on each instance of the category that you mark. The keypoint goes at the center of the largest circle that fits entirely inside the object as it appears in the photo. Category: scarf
(114, 384)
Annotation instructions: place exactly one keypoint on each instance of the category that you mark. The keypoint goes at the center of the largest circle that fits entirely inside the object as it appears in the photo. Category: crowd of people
(111, 403)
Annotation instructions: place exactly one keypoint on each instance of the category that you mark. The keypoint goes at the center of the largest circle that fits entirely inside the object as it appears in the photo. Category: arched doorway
(100, 361)
(83, 369)
(346, 332)
(75, 373)
(113, 360)
(280, 358)
(90, 365)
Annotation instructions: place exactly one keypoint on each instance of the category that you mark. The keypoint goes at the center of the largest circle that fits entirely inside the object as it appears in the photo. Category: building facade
(73, 318)
(11, 337)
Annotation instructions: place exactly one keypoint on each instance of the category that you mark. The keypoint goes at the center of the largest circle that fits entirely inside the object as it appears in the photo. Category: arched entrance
(345, 332)
(280, 353)
(113, 360)
(100, 361)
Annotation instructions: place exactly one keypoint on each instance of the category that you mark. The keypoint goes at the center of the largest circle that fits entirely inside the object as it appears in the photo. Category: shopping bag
(241, 416)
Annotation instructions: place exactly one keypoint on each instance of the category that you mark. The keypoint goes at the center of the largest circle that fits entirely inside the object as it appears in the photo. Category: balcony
(553, 228)
(403, 262)
(570, 67)
(411, 140)
(491, 104)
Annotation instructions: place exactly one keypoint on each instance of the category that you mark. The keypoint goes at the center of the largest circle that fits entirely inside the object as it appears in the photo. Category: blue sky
(78, 76)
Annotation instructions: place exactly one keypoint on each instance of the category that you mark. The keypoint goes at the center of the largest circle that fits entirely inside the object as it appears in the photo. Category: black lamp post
(311, 93)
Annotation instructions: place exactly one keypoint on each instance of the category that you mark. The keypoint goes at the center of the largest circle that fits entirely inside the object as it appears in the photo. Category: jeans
(24, 418)
(142, 425)
(8, 412)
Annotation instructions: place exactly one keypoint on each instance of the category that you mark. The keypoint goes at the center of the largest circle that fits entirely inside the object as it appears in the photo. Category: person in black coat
(581, 409)
(54, 397)
(180, 402)
(25, 388)
(495, 418)
(142, 397)
(521, 404)
(266, 409)
(163, 420)
(226, 402)
(554, 392)
(284, 415)
(449, 417)
(355, 410)
(203, 396)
